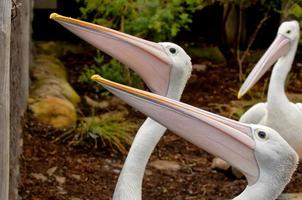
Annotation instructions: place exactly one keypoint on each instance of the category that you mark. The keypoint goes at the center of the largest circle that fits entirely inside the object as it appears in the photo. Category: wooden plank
(5, 28)
(19, 80)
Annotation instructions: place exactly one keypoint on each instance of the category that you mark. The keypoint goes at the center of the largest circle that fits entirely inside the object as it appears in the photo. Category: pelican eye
(288, 31)
(262, 135)
(172, 50)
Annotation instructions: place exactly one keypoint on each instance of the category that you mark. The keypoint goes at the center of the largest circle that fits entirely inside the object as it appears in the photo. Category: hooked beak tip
(54, 16)
(96, 77)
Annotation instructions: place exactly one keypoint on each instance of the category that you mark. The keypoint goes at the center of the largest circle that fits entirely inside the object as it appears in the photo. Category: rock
(290, 196)
(61, 190)
(199, 67)
(52, 100)
(295, 97)
(76, 177)
(116, 171)
(75, 198)
(51, 171)
(53, 86)
(39, 176)
(60, 179)
(165, 165)
(218, 163)
(45, 66)
(148, 172)
(54, 111)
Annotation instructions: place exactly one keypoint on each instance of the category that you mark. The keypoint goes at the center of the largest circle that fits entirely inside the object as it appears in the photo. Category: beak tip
(96, 77)
(53, 16)
(241, 92)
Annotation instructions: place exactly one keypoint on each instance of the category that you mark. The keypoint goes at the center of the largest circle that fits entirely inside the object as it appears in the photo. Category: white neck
(129, 185)
(259, 191)
(270, 184)
(276, 92)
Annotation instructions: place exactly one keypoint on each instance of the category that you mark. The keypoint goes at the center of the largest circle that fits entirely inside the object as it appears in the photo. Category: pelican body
(259, 152)
(278, 112)
(165, 68)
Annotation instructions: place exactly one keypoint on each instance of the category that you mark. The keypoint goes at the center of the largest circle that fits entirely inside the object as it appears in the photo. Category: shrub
(112, 70)
(296, 11)
(153, 19)
(110, 129)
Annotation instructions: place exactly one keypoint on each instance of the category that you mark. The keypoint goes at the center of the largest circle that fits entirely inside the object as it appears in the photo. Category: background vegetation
(217, 31)
(158, 20)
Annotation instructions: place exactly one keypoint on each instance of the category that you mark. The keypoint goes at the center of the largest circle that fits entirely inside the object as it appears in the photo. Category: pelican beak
(278, 48)
(228, 139)
(148, 59)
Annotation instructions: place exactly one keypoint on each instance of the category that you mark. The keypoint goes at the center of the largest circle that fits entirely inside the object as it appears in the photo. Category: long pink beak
(278, 48)
(146, 58)
(223, 137)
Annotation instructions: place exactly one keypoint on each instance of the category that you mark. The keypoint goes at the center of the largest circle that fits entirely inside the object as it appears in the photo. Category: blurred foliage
(296, 11)
(153, 19)
(112, 70)
(248, 3)
(212, 54)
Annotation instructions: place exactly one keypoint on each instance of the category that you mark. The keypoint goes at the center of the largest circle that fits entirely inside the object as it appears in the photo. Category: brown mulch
(56, 171)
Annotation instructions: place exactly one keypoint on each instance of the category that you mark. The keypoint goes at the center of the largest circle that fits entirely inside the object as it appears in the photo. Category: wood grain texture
(5, 29)
(19, 80)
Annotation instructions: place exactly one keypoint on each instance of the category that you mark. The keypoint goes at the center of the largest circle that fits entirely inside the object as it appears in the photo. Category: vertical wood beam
(5, 29)
(19, 80)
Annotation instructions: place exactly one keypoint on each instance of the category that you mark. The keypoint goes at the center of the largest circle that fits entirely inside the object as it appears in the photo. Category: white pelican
(165, 67)
(278, 112)
(259, 152)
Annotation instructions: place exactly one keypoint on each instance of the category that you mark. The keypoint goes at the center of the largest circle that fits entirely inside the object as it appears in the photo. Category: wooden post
(19, 80)
(5, 29)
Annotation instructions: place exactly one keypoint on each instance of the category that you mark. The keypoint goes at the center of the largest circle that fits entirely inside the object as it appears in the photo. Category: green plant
(153, 19)
(296, 10)
(111, 128)
(112, 70)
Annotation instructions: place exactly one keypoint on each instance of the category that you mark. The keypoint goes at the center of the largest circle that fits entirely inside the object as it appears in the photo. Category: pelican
(165, 68)
(259, 152)
(278, 112)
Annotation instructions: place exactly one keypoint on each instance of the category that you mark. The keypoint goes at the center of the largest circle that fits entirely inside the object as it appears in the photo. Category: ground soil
(56, 171)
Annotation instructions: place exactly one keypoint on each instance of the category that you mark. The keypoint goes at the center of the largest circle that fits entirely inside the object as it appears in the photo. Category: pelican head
(284, 44)
(259, 152)
(156, 63)
(290, 29)
(276, 159)
(180, 71)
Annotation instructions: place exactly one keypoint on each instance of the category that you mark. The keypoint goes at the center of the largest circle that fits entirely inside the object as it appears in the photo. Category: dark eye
(288, 31)
(172, 50)
(262, 134)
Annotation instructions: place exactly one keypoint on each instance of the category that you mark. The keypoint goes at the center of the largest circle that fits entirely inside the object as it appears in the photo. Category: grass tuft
(111, 129)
